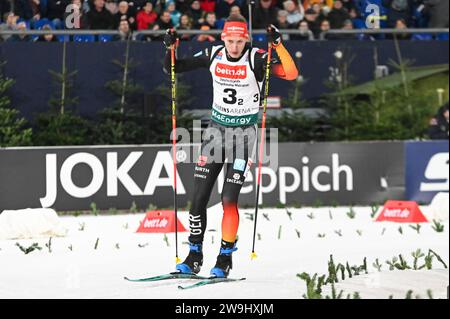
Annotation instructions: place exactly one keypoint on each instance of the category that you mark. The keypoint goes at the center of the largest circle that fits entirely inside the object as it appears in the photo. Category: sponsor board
(308, 174)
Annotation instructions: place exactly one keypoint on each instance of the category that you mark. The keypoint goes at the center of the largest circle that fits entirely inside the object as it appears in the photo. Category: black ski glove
(170, 38)
(273, 35)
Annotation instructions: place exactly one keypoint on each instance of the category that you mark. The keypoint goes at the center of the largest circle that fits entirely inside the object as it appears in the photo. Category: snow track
(75, 269)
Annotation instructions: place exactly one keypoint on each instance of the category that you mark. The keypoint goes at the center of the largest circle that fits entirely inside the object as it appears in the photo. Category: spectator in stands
(348, 25)
(223, 8)
(282, 23)
(21, 26)
(311, 17)
(146, 17)
(112, 6)
(208, 5)
(10, 24)
(185, 24)
(305, 33)
(338, 15)
(196, 13)
(211, 20)
(205, 37)
(124, 31)
(235, 10)
(99, 18)
(400, 24)
(56, 10)
(124, 13)
(437, 10)
(295, 13)
(174, 13)
(324, 27)
(321, 12)
(398, 9)
(163, 23)
(47, 37)
(265, 14)
(359, 22)
(357, 19)
(307, 4)
(438, 128)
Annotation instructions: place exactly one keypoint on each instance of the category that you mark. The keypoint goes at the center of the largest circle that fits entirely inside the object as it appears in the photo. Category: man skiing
(237, 71)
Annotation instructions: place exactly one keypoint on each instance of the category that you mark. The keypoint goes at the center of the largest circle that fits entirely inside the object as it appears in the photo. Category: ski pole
(251, 3)
(261, 145)
(174, 147)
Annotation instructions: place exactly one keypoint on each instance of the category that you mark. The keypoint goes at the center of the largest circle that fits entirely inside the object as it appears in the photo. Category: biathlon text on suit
(237, 71)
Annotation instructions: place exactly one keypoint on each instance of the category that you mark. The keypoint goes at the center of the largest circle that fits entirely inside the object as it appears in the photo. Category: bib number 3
(231, 98)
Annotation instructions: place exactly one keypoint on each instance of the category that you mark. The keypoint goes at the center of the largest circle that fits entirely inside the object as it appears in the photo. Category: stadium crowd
(310, 17)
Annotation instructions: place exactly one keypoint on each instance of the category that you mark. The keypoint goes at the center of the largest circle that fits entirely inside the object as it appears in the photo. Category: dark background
(29, 63)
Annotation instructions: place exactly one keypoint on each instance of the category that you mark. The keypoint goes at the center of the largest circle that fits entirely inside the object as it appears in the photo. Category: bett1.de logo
(231, 72)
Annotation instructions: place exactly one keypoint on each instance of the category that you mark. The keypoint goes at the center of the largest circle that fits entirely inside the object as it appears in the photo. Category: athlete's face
(235, 46)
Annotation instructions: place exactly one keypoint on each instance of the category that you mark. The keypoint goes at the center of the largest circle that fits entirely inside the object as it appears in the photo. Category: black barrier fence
(114, 177)
(135, 35)
(29, 64)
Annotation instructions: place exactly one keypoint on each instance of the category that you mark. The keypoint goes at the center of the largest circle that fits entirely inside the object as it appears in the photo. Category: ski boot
(224, 261)
(193, 262)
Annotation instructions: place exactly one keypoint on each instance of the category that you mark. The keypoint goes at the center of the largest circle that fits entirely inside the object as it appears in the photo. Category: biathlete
(238, 74)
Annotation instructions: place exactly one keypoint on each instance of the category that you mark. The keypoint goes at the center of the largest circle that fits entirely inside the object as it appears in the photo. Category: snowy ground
(85, 272)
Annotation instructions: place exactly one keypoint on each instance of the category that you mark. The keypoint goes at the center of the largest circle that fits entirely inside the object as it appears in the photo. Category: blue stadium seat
(104, 38)
(37, 25)
(442, 37)
(84, 38)
(220, 23)
(381, 36)
(259, 38)
(63, 38)
(359, 24)
(26, 22)
(58, 24)
(422, 37)
(365, 37)
(140, 37)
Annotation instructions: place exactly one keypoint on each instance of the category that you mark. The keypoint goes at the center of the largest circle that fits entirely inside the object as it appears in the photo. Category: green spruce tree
(13, 128)
(60, 125)
(122, 122)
